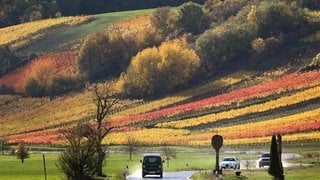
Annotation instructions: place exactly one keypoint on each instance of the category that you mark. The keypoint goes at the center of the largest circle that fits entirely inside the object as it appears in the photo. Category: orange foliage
(63, 63)
(131, 26)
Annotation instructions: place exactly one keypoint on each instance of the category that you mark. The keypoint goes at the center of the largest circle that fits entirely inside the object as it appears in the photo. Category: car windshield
(152, 160)
(229, 159)
(265, 155)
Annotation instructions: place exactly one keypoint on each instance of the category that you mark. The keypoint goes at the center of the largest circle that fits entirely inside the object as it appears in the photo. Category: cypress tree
(274, 166)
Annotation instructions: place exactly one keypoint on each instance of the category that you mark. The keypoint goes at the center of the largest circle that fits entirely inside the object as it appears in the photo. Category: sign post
(217, 142)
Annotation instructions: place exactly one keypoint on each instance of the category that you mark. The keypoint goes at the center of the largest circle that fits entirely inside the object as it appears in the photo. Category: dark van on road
(152, 164)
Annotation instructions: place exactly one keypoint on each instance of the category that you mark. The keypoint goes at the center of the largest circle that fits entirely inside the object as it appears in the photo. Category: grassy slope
(63, 38)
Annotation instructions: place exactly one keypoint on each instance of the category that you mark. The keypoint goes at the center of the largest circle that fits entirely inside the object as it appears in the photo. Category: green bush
(224, 43)
(7, 60)
(311, 4)
(22, 152)
(33, 88)
(275, 18)
(219, 11)
(4, 89)
(65, 84)
(59, 85)
(191, 18)
(105, 55)
(77, 162)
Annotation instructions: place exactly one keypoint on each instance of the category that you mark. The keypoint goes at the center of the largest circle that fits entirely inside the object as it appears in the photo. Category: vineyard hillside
(288, 104)
(246, 103)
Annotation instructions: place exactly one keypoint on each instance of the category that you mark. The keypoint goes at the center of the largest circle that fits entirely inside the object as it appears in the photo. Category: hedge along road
(166, 175)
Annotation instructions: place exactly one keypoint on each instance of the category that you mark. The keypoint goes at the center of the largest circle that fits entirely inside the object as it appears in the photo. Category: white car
(230, 163)
(263, 160)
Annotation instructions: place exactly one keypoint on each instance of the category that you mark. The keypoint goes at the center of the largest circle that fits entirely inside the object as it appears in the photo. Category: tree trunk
(101, 157)
(130, 155)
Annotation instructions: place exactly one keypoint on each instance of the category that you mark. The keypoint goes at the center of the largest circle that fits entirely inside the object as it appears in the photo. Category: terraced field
(288, 105)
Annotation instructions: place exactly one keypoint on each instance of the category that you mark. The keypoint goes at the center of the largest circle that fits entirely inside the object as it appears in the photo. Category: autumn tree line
(19, 11)
(185, 47)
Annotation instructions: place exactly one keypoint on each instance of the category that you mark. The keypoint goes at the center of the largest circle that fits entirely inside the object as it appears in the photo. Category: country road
(184, 175)
(181, 175)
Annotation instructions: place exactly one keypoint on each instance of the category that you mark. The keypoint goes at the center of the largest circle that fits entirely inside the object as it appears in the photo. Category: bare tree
(169, 153)
(132, 144)
(104, 101)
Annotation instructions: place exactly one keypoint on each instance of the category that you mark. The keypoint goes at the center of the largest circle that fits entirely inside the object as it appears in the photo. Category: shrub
(40, 78)
(224, 43)
(156, 71)
(6, 89)
(105, 55)
(59, 85)
(22, 152)
(43, 72)
(311, 4)
(7, 60)
(149, 37)
(161, 20)
(65, 84)
(219, 11)
(191, 18)
(77, 162)
(262, 48)
(258, 46)
(33, 88)
(272, 44)
(275, 18)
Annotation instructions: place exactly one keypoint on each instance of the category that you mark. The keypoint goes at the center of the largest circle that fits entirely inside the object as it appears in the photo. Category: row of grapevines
(281, 102)
(289, 82)
(179, 97)
(304, 121)
(29, 114)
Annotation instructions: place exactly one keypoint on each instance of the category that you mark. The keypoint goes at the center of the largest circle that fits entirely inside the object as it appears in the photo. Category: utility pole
(44, 167)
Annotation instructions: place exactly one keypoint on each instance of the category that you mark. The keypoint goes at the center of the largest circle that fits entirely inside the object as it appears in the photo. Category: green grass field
(197, 159)
(59, 38)
(297, 173)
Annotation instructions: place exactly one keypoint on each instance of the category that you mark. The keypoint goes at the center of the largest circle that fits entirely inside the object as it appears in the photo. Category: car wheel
(143, 175)
(161, 175)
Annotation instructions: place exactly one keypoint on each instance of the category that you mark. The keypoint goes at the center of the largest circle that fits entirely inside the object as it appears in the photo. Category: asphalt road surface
(182, 175)
(185, 175)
